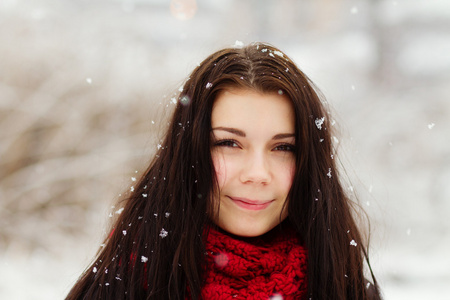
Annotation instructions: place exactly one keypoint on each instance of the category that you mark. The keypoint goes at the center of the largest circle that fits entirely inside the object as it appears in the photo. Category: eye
(226, 143)
(285, 148)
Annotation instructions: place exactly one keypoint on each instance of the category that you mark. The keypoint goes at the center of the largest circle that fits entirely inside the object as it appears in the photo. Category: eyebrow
(241, 133)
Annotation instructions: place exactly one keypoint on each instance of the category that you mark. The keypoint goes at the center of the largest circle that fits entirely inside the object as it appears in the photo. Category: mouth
(251, 204)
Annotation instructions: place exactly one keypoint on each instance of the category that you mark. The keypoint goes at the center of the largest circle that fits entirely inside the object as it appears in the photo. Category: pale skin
(253, 155)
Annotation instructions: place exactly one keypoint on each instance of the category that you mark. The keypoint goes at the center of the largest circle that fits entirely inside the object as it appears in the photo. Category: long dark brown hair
(156, 248)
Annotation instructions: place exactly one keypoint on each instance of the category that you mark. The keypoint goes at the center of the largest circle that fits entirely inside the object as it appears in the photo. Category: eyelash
(226, 143)
(285, 147)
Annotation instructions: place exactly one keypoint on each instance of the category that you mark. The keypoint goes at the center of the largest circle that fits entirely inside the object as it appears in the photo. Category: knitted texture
(273, 267)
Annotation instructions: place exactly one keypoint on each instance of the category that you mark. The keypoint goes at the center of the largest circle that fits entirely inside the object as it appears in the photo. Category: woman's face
(253, 154)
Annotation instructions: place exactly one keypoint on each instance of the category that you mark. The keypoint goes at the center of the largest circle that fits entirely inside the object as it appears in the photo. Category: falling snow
(353, 243)
(221, 260)
(276, 297)
(279, 53)
(319, 122)
(185, 100)
(238, 44)
(144, 259)
(209, 85)
(163, 233)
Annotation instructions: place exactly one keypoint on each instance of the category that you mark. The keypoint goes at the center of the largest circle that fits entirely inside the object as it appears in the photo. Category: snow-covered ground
(83, 86)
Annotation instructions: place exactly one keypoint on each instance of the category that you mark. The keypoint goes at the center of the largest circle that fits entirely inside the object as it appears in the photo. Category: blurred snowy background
(85, 84)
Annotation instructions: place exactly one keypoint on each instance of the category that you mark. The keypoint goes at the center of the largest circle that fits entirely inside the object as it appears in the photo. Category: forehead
(250, 109)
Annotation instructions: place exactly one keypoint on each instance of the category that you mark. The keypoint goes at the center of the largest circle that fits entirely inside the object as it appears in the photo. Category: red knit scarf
(271, 267)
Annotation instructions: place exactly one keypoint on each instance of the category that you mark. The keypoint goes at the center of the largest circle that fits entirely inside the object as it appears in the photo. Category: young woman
(243, 199)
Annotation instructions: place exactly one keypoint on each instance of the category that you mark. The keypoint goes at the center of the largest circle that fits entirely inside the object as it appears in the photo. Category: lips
(251, 204)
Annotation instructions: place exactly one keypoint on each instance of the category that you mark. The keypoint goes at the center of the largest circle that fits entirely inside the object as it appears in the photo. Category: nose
(256, 169)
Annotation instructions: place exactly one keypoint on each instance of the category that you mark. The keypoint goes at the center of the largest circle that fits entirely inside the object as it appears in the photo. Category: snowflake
(279, 53)
(276, 297)
(163, 233)
(319, 122)
(238, 44)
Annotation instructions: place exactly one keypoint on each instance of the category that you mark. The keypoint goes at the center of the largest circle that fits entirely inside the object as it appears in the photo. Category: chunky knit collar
(270, 267)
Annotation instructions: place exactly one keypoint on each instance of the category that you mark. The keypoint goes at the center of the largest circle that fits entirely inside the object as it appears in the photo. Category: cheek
(220, 169)
(291, 173)
(287, 174)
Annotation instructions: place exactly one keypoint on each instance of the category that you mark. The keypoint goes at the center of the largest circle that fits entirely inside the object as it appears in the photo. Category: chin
(248, 231)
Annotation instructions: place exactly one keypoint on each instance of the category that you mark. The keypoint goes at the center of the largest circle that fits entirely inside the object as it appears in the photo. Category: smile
(250, 204)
